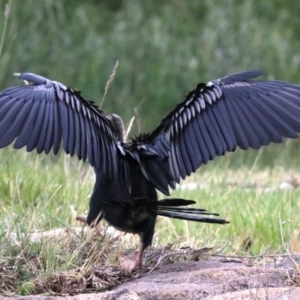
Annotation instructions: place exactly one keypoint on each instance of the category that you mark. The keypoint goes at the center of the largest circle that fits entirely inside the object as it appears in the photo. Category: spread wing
(46, 113)
(221, 115)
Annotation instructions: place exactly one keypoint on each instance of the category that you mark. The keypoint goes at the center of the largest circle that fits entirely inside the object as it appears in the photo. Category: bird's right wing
(223, 114)
(43, 114)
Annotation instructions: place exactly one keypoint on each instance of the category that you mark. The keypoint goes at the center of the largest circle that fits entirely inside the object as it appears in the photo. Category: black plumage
(216, 117)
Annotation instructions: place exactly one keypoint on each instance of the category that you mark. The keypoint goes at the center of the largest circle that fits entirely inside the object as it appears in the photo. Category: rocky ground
(273, 277)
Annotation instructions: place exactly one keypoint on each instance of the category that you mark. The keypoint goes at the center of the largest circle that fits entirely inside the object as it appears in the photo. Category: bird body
(215, 118)
(114, 201)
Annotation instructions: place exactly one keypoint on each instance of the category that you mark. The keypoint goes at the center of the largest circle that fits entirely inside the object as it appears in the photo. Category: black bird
(216, 117)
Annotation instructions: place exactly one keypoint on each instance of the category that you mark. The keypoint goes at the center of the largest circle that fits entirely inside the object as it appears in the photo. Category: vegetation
(164, 49)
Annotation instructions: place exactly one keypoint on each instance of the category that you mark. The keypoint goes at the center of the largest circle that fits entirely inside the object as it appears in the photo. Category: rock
(205, 279)
(260, 294)
(122, 294)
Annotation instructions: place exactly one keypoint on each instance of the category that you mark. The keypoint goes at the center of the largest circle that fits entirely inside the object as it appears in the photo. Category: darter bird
(216, 117)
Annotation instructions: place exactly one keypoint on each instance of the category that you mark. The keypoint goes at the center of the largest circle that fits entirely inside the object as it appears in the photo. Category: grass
(40, 193)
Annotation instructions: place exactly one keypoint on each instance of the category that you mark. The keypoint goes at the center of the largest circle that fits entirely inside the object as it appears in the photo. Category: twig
(129, 127)
(109, 82)
(252, 256)
(161, 258)
(220, 251)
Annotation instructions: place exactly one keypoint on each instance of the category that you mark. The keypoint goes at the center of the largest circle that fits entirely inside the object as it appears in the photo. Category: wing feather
(72, 133)
(236, 121)
(57, 127)
(221, 116)
(184, 157)
(202, 147)
(38, 123)
(26, 131)
(8, 124)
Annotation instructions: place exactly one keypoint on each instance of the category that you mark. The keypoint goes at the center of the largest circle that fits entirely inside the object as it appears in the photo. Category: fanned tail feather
(174, 202)
(182, 214)
(169, 208)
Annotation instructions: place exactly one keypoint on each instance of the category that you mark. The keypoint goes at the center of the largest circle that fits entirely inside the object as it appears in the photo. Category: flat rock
(205, 279)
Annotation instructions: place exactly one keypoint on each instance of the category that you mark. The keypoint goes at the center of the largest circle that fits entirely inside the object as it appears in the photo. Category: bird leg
(139, 257)
(134, 260)
(146, 230)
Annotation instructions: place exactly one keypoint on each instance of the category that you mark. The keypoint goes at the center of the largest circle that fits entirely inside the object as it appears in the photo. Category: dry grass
(91, 263)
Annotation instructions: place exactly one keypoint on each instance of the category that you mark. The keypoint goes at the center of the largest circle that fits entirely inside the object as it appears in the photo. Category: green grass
(40, 193)
(253, 203)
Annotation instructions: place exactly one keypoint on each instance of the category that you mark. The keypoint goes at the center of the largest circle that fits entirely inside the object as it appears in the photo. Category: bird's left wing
(44, 113)
(234, 111)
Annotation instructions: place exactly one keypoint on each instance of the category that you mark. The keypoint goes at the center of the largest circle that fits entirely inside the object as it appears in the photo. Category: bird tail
(171, 208)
